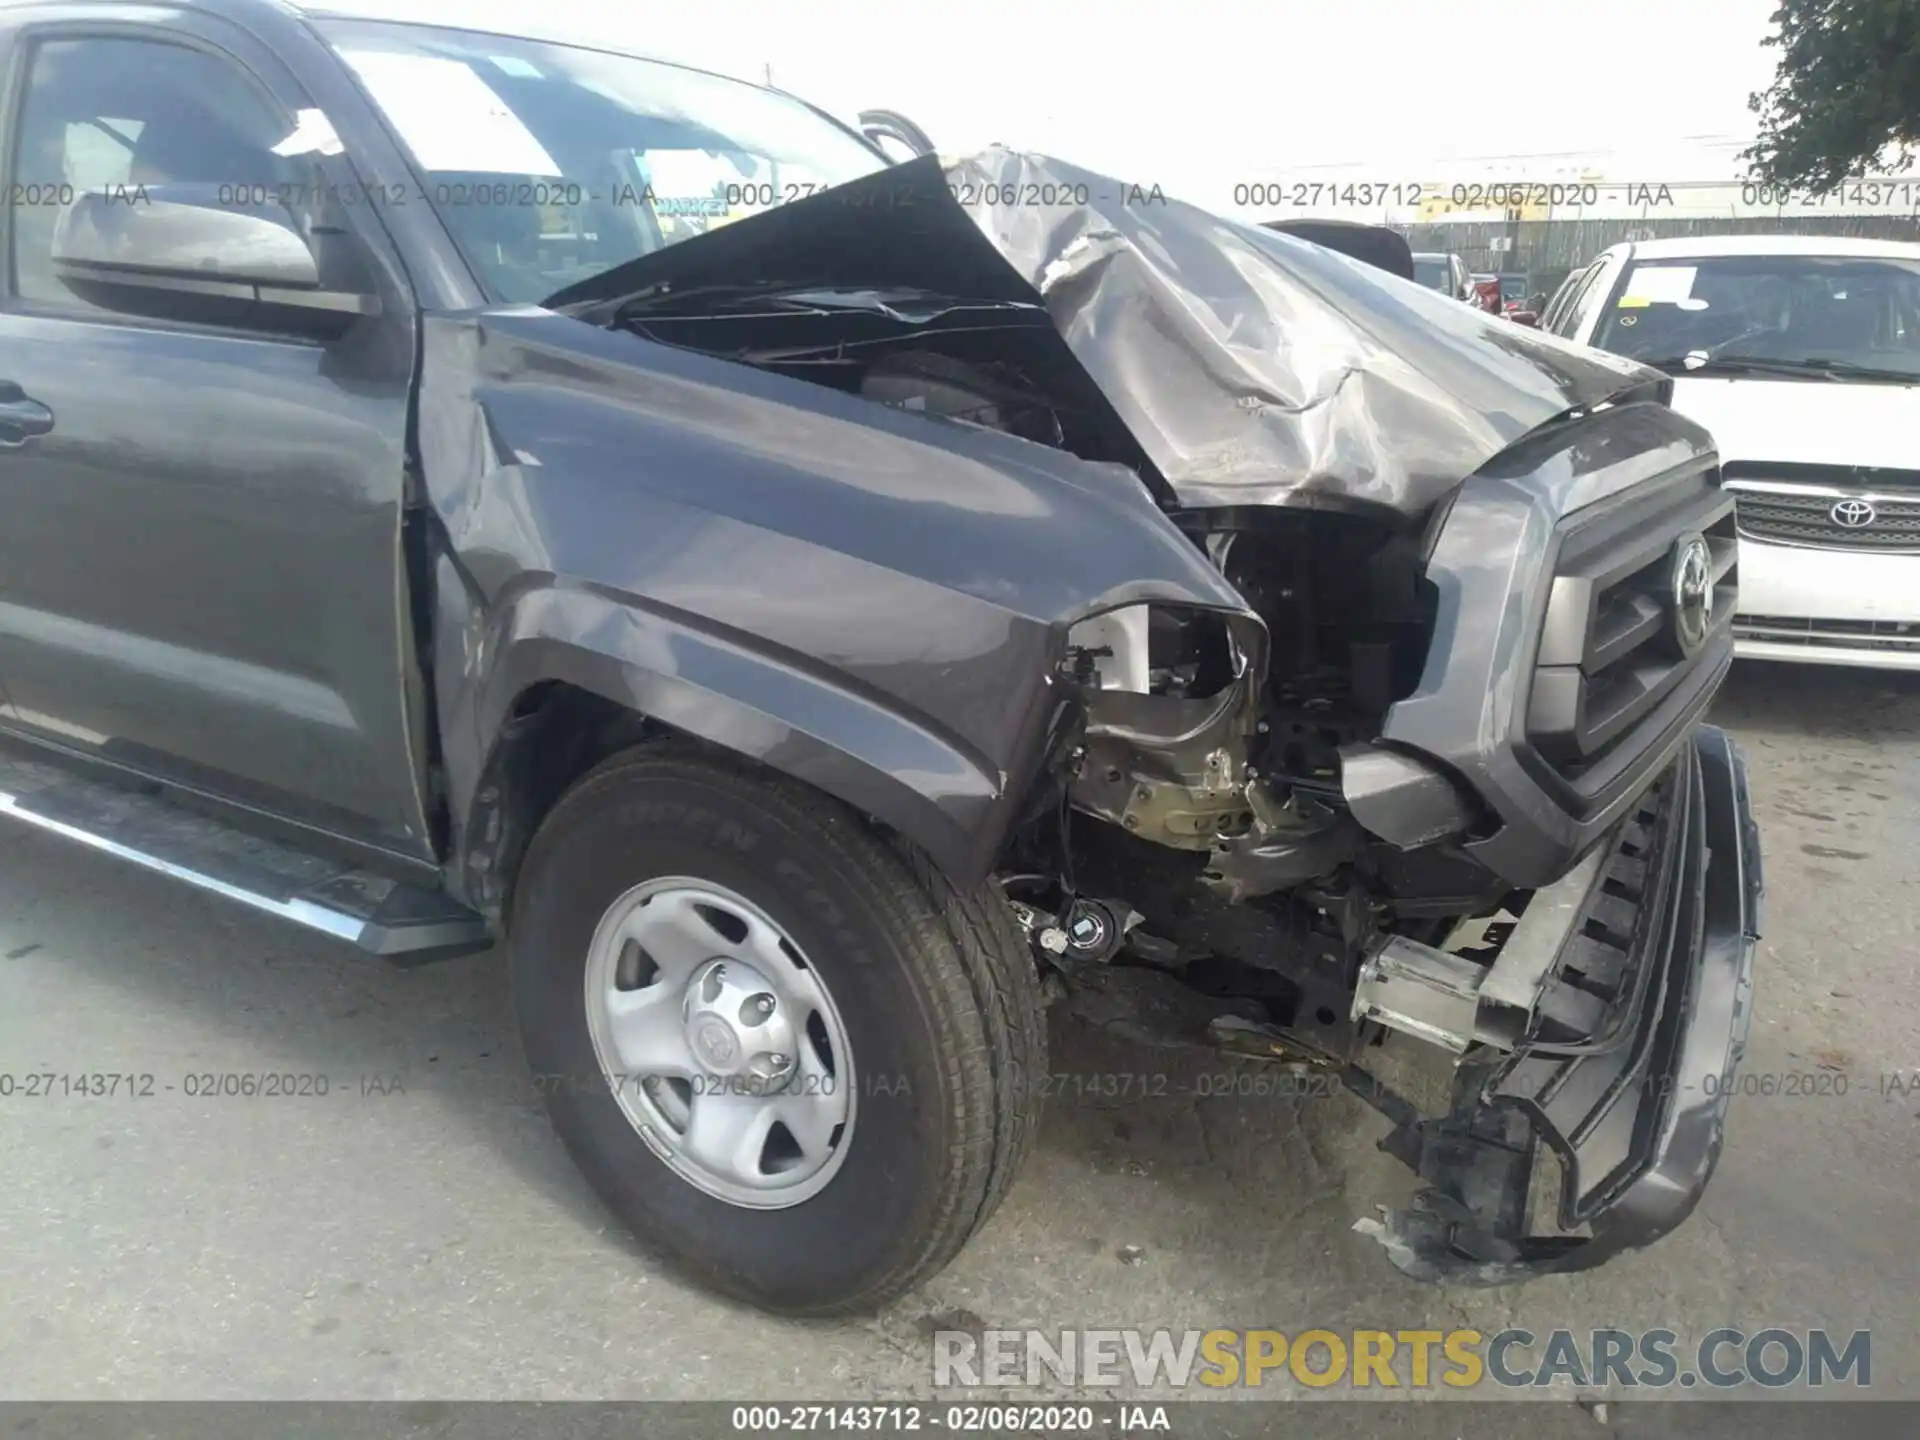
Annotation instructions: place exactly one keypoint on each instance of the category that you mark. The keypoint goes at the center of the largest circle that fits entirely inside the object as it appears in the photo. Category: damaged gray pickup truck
(460, 487)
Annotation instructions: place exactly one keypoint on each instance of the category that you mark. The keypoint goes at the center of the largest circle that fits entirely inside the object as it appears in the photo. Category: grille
(1611, 656)
(1792, 504)
(1897, 636)
(1807, 519)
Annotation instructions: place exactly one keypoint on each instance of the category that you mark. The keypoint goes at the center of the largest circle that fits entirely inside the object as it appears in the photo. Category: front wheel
(783, 1048)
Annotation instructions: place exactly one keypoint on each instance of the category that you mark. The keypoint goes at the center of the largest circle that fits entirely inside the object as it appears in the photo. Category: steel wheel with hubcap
(720, 1042)
(786, 1051)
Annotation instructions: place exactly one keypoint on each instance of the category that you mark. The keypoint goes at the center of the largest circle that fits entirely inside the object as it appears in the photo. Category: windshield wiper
(1809, 369)
(1739, 365)
(762, 298)
(619, 307)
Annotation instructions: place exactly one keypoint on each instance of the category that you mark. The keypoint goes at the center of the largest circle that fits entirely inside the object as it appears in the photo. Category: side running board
(408, 924)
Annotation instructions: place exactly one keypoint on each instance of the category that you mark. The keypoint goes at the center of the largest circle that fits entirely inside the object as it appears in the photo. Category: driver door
(201, 574)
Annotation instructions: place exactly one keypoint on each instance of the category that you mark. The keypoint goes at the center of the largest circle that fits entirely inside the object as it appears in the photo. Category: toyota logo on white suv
(1853, 514)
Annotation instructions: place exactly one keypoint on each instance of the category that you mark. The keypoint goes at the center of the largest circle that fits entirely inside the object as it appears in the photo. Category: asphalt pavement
(417, 1233)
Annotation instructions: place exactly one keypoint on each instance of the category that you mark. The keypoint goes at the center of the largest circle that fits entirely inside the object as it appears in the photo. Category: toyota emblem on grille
(1692, 591)
(1853, 514)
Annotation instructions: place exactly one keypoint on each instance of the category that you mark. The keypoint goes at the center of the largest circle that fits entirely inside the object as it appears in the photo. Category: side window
(119, 115)
(1568, 320)
(1550, 317)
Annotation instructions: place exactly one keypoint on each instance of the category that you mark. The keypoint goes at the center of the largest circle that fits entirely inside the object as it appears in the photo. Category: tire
(932, 988)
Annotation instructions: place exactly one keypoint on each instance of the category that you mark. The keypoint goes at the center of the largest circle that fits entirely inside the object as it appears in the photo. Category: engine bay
(1221, 752)
(995, 363)
(1201, 817)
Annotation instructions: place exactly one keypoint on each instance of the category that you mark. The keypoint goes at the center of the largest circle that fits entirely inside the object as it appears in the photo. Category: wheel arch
(580, 676)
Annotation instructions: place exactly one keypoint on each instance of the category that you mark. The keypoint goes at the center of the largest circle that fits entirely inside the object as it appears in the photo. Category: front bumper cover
(1625, 1077)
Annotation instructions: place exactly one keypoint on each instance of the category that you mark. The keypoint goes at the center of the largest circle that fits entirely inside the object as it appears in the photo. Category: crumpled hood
(1251, 367)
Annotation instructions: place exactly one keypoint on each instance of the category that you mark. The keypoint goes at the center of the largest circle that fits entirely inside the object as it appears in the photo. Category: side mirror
(176, 252)
(891, 131)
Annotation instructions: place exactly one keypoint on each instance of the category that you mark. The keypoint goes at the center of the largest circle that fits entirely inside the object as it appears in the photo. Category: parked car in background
(1801, 354)
(1443, 271)
(1514, 289)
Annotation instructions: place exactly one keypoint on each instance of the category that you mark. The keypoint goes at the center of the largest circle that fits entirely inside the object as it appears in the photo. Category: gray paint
(1652, 1119)
(202, 553)
(1492, 564)
(1404, 801)
(869, 599)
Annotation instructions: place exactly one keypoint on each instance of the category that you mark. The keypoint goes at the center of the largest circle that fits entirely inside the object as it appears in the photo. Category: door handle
(21, 416)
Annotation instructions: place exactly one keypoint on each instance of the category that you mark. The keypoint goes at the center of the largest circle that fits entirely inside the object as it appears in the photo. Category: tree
(1845, 99)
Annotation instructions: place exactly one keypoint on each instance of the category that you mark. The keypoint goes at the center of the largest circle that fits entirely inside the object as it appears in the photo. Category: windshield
(1431, 273)
(1846, 311)
(550, 163)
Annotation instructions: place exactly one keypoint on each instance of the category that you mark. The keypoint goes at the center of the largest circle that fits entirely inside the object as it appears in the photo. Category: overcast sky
(1199, 95)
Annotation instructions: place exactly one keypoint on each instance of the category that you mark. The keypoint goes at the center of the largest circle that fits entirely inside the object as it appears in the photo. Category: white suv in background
(1801, 354)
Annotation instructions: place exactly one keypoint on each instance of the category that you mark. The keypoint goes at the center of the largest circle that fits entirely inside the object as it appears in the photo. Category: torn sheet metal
(1253, 368)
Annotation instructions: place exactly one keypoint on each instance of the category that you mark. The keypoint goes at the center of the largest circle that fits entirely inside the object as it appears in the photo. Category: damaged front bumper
(1618, 1088)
